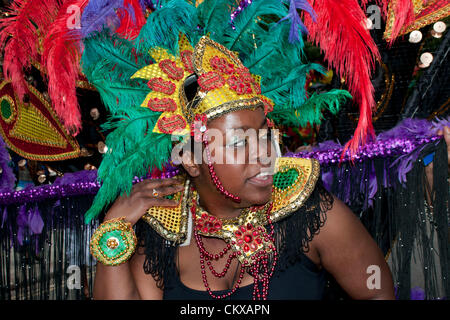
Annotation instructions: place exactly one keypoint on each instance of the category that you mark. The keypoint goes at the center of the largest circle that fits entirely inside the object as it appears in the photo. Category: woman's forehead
(240, 119)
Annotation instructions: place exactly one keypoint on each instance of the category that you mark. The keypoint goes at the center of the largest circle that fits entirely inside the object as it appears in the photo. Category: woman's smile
(262, 179)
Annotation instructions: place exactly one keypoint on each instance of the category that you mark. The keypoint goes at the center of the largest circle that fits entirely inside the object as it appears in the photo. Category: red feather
(341, 34)
(20, 37)
(61, 59)
(129, 28)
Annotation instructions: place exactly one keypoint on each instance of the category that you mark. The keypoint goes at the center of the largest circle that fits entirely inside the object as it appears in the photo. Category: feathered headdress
(48, 34)
(139, 77)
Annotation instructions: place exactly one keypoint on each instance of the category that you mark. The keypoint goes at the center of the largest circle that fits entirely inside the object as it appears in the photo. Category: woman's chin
(260, 197)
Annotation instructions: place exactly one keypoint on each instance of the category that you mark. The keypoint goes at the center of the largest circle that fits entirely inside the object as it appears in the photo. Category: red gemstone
(246, 248)
(249, 226)
(258, 240)
(248, 238)
(243, 229)
(238, 233)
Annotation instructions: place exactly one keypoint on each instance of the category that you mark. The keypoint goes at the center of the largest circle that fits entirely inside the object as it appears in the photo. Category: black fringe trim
(293, 234)
(159, 254)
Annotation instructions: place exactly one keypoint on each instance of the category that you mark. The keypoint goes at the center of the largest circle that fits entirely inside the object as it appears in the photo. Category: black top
(300, 281)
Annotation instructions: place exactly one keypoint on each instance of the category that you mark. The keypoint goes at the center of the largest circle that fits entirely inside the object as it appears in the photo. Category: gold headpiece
(226, 85)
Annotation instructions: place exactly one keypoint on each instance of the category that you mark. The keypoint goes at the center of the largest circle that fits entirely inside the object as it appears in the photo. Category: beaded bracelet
(114, 242)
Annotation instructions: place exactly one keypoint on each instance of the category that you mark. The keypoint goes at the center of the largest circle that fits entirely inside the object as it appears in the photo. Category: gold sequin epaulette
(171, 223)
(293, 182)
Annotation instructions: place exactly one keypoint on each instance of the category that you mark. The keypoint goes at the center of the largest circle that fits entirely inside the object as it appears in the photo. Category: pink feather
(61, 59)
(341, 34)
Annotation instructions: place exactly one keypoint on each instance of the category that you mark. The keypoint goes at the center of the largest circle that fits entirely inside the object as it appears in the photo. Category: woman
(343, 247)
(220, 226)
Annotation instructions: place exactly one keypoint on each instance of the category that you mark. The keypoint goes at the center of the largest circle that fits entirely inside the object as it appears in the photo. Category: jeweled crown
(225, 85)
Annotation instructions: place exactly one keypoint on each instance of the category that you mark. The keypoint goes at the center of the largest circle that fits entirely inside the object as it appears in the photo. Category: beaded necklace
(248, 241)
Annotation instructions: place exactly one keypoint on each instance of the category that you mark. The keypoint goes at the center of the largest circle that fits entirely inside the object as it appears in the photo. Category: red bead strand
(214, 177)
(259, 268)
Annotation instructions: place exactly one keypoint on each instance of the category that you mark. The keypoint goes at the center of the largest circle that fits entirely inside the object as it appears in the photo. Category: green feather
(289, 92)
(246, 23)
(311, 110)
(163, 26)
(108, 62)
(132, 149)
(212, 14)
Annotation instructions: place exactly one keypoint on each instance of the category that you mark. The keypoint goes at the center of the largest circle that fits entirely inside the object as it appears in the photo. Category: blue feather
(98, 14)
(297, 26)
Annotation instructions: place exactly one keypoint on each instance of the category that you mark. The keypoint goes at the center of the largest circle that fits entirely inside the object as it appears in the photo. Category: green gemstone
(6, 109)
(170, 196)
(111, 253)
(283, 180)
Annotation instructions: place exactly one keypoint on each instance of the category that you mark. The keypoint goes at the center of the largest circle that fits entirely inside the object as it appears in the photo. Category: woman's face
(242, 156)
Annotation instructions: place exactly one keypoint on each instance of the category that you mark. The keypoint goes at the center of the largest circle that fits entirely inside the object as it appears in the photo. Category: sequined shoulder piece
(293, 182)
(171, 223)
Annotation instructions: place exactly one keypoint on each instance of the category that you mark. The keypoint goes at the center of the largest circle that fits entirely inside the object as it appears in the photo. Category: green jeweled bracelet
(114, 242)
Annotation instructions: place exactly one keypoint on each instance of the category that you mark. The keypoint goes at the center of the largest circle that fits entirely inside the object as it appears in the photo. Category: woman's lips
(261, 180)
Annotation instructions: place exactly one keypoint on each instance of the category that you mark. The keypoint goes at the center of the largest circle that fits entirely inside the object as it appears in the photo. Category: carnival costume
(243, 55)
(253, 61)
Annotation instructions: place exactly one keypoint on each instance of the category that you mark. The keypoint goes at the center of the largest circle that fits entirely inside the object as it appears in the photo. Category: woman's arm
(114, 283)
(146, 286)
(349, 253)
(119, 282)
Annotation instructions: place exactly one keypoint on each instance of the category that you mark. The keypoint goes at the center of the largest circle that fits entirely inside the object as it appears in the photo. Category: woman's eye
(238, 143)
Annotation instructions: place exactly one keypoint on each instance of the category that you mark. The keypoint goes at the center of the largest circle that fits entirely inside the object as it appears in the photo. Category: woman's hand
(142, 197)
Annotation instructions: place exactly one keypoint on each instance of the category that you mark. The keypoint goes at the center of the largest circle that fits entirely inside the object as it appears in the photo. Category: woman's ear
(188, 164)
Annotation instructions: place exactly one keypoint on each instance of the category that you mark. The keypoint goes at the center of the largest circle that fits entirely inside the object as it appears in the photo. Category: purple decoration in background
(75, 177)
(4, 216)
(400, 146)
(7, 177)
(22, 222)
(100, 13)
(386, 148)
(35, 222)
(85, 184)
(408, 129)
(417, 293)
(439, 124)
(242, 5)
(147, 4)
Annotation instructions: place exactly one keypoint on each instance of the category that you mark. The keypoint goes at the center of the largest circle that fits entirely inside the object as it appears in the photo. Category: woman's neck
(216, 204)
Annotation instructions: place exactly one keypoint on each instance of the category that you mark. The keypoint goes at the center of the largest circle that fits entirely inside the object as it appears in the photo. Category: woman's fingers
(161, 191)
(158, 183)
